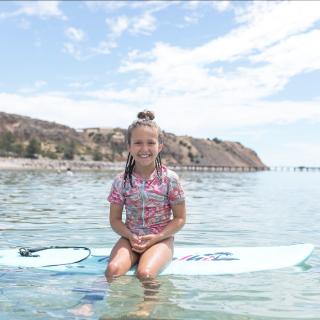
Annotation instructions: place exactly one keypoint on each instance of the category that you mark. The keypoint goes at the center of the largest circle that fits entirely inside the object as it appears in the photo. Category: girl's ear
(160, 147)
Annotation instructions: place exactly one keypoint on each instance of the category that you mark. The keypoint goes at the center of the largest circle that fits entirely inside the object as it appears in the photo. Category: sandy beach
(57, 165)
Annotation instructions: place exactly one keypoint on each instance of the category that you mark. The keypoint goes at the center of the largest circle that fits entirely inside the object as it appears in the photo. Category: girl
(154, 203)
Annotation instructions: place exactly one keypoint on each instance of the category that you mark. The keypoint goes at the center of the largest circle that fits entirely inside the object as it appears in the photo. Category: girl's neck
(144, 172)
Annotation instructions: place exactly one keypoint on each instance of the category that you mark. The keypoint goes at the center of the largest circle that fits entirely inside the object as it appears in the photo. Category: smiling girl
(154, 204)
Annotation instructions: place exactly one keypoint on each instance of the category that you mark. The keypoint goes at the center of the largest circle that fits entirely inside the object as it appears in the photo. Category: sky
(234, 70)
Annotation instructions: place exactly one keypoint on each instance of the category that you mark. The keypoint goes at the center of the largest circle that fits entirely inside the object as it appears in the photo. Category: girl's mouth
(144, 155)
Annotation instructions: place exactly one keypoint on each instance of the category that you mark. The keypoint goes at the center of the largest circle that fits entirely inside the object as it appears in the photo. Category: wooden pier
(211, 168)
(208, 168)
(299, 169)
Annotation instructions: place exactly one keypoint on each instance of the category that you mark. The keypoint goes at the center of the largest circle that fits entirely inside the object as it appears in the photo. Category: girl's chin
(145, 162)
(149, 159)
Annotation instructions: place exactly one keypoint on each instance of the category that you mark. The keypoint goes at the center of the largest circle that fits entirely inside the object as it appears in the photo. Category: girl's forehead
(145, 131)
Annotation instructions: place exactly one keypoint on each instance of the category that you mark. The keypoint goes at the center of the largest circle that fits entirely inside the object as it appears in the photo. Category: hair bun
(146, 115)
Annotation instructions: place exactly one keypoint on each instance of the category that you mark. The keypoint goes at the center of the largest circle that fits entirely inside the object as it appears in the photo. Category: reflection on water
(224, 209)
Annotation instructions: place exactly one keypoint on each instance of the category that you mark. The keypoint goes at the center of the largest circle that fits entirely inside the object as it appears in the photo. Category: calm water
(224, 209)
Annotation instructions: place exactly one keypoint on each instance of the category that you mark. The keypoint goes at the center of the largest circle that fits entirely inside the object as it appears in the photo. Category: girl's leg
(153, 260)
(122, 258)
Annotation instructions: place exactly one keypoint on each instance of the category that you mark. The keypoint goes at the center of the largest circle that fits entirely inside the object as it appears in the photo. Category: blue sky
(239, 71)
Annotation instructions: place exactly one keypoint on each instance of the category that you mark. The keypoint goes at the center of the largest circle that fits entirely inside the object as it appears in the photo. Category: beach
(56, 165)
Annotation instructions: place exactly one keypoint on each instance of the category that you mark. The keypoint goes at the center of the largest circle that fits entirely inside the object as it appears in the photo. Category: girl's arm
(115, 218)
(178, 221)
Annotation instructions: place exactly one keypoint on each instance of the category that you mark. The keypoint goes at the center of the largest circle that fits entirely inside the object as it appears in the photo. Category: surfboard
(186, 260)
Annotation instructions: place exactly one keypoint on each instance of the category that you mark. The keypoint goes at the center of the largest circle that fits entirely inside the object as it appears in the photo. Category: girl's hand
(145, 242)
(134, 240)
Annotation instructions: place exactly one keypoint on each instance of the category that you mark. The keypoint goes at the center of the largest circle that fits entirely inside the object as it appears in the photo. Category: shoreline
(57, 165)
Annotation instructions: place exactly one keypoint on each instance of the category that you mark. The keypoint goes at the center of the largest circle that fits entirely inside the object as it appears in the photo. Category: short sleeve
(116, 192)
(175, 191)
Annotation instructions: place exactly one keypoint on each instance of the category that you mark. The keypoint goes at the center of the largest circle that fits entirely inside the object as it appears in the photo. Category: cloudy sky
(240, 71)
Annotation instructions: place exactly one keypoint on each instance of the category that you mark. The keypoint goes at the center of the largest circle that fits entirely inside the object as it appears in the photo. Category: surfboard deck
(186, 261)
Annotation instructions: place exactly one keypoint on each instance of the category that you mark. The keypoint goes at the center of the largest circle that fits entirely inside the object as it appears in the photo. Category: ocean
(41, 208)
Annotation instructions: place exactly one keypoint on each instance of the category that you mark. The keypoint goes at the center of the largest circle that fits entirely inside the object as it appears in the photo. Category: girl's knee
(145, 273)
(113, 270)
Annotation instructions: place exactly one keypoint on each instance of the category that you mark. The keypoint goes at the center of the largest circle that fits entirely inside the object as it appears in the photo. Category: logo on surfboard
(216, 256)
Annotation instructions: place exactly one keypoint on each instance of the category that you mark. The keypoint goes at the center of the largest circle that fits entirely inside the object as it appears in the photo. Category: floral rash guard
(148, 202)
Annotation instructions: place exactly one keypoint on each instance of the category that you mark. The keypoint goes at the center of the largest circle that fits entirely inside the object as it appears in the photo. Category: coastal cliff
(24, 137)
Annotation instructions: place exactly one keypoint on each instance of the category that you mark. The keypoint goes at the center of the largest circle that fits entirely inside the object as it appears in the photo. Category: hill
(22, 136)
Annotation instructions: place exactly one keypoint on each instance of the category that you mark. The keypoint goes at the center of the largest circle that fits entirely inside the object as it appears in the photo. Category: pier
(292, 168)
(212, 168)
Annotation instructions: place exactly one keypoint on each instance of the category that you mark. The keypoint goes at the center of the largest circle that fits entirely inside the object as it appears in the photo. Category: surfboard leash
(29, 252)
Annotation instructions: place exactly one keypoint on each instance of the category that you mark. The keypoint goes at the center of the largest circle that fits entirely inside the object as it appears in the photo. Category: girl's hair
(145, 118)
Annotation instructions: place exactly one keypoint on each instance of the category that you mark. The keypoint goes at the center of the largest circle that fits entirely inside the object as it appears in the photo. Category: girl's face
(144, 146)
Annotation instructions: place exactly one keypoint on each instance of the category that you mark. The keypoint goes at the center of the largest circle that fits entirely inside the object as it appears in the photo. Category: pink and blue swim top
(147, 202)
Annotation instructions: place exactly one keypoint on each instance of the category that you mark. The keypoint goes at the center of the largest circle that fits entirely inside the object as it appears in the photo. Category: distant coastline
(58, 146)
(8, 163)
(13, 163)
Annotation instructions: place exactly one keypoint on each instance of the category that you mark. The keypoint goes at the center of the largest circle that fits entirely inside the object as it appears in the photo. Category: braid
(158, 167)
(129, 169)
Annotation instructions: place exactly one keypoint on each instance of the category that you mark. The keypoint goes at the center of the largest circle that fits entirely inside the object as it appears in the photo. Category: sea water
(39, 208)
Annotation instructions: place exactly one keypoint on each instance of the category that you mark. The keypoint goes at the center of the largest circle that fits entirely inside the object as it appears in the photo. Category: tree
(33, 148)
(69, 151)
(7, 140)
(97, 155)
(18, 149)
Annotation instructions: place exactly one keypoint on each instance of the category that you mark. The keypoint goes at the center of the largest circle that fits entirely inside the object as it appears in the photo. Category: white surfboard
(186, 261)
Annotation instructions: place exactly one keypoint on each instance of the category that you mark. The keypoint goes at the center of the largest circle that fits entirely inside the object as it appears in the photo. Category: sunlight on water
(224, 209)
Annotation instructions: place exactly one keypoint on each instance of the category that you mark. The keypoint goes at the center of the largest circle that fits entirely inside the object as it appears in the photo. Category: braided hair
(145, 118)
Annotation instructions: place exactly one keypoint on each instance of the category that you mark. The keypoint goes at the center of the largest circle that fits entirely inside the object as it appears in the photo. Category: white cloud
(221, 5)
(144, 24)
(269, 56)
(73, 50)
(40, 9)
(139, 96)
(106, 5)
(186, 114)
(191, 19)
(142, 21)
(113, 6)
(83, 53)
(60, 108)
(117, 26)
(104, 47)
(75, 34)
